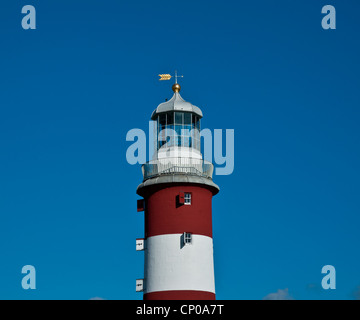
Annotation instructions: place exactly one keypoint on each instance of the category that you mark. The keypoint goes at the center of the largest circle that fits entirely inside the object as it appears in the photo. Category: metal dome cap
(176, 103)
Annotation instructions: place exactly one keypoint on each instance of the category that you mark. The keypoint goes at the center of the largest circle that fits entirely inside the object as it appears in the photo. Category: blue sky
(71, 89)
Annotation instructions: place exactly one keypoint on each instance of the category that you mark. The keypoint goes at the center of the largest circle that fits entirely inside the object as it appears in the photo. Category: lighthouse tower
(177, 192)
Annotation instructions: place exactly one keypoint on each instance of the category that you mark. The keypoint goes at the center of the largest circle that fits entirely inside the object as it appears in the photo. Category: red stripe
(164, 214)
(180, 295)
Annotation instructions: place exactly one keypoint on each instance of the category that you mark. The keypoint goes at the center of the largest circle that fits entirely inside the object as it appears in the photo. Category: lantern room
(177, 124)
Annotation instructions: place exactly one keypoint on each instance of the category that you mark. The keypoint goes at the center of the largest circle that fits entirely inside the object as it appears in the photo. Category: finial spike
(176, 77)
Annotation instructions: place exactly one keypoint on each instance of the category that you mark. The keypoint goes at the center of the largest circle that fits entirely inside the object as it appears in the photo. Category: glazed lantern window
(180, 129)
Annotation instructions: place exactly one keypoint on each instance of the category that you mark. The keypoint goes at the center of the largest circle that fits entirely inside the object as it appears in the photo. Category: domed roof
(176, 103)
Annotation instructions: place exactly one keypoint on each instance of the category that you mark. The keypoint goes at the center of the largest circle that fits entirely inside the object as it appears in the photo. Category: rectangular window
(187, 198)
(187, 238)
(140, 244)
(139, 285)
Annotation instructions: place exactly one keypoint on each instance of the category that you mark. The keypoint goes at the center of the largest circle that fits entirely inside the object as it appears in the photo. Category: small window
(187, 198)
(187, 238)
(140, 244)
(139, 285)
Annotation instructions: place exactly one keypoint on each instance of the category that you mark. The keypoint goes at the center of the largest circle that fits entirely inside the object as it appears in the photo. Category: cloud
(314, 288)
(281, 294)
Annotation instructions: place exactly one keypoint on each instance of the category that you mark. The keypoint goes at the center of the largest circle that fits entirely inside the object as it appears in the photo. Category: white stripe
(171, 266)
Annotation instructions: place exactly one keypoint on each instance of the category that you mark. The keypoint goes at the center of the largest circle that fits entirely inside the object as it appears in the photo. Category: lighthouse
(177, 191)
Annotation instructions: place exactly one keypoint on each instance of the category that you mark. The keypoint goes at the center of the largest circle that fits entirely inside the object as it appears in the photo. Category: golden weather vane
(167, 76)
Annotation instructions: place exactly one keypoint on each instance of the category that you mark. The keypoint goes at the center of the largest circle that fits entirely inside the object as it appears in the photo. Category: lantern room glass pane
(186, 141)
(178, 118)
(187, 118)
(178, 129)
(197, 123)
(170, 135)
(170, 118)
(162, 119)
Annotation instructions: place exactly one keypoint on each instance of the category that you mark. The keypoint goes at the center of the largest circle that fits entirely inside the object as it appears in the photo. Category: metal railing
(178, 165)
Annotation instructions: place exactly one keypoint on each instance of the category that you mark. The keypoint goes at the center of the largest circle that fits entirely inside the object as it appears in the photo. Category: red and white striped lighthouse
(177, 193)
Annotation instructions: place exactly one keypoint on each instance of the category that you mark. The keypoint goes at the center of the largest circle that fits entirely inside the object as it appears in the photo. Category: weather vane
(169, 76)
